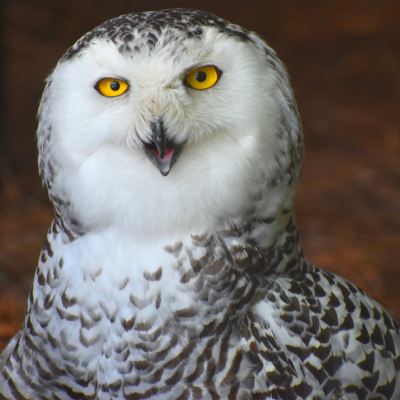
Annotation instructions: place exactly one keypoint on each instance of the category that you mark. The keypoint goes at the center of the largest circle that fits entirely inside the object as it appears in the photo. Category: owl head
(168, 120)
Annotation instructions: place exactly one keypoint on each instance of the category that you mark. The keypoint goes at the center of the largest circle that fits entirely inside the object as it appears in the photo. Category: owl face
(157, 137)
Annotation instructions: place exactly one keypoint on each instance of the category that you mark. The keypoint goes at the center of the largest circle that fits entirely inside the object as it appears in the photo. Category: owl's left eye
(111, 87)
(203, 77)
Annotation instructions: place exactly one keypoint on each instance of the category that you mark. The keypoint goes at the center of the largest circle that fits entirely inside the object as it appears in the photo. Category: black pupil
(114, 86)
(201, 76)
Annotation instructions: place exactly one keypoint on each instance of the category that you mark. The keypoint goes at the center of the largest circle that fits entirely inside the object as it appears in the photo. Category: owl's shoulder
(319, 330)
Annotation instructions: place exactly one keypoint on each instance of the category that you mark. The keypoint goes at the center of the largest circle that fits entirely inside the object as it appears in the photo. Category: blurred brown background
(344, 61)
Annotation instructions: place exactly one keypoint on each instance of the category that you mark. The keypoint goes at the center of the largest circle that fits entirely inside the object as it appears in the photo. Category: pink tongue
(168, 154)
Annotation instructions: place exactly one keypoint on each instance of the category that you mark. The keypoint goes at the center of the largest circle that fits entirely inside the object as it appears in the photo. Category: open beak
(162, 152)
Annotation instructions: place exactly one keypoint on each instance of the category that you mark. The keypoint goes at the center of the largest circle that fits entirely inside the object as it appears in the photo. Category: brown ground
(344, 61)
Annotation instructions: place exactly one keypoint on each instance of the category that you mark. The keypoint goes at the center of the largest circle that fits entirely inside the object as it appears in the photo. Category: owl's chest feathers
(118, 304)
(130, 307)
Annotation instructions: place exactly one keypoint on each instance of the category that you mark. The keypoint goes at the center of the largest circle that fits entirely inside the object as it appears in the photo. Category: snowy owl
(171, 147)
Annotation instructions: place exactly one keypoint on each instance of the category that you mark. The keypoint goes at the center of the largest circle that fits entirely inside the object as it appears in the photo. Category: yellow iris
(111, 87)
(203, 77)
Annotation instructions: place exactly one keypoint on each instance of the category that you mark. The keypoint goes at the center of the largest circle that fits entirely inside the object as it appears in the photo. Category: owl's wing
(319, 335)
(8, 350)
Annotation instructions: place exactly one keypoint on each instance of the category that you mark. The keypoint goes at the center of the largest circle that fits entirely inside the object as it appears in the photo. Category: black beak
(159, 137)
(162, 152)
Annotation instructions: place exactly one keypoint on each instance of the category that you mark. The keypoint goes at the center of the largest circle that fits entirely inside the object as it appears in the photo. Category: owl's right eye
(111, 87)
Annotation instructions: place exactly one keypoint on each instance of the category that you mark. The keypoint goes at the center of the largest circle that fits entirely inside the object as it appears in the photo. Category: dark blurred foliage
(344, 61)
